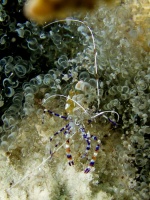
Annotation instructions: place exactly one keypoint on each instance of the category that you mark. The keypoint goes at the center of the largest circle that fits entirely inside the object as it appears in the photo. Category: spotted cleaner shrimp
(76, 123)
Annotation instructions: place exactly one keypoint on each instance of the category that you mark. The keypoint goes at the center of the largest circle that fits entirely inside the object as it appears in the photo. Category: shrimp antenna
(38, 167)
(95, 52)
